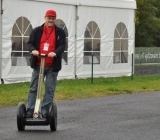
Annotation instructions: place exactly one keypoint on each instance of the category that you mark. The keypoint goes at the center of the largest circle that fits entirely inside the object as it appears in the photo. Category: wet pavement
(120, 117)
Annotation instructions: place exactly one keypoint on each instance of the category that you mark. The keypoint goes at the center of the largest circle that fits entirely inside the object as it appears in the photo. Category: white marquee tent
(104, 29)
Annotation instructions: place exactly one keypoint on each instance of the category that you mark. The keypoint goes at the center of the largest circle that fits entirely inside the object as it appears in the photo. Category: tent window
(20, 35)
(62, 25)
(120, 53)
(91, 44)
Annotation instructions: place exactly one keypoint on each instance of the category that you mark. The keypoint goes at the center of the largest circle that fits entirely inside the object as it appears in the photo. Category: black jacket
(34, 43)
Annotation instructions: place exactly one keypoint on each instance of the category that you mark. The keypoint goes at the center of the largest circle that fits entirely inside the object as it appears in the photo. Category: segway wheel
(53, 117)
(21, 114)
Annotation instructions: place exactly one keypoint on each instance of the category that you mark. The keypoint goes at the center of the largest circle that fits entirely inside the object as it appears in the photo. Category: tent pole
(75, 47)
(134, 40)
(1, 41)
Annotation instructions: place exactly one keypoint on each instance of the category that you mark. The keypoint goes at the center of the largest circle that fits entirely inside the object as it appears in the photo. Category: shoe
(29, 114)
(44, 115)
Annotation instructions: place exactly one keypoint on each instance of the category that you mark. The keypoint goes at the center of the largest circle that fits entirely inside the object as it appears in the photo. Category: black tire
(53, 117)
(21, 115)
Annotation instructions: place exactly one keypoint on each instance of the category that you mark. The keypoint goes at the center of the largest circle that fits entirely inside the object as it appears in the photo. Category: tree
(147, 23)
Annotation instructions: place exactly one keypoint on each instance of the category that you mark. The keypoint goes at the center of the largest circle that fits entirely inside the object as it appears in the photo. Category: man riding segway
(46, 41)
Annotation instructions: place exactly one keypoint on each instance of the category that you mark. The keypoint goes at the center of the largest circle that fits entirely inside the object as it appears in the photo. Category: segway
(37, 119)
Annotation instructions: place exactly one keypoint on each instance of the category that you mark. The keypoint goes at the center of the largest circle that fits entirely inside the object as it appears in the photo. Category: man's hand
(35, 53)
(52, 54)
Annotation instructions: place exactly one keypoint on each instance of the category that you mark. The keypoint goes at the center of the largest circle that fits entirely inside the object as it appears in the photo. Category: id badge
(46, 47)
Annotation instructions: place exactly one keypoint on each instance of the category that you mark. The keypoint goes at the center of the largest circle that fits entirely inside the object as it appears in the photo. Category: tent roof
(128, 4)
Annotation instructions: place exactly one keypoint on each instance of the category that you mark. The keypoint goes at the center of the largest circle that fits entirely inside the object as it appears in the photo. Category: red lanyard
(48, 36)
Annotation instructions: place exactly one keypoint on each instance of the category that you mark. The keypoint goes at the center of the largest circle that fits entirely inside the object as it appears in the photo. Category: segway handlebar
(42, 54)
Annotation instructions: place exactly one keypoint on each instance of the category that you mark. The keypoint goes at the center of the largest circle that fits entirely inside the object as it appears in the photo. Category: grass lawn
(12, 94)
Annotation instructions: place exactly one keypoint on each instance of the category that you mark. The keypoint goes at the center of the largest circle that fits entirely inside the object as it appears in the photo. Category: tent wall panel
(65, 12)
(107, 19)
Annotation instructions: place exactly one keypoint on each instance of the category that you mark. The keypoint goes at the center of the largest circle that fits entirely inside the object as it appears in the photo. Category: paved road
(120, 117)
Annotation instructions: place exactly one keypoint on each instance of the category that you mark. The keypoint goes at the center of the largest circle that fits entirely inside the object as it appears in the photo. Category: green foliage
(147, 23)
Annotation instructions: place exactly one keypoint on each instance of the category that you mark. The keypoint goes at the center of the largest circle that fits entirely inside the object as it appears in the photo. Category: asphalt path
(120, 117)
